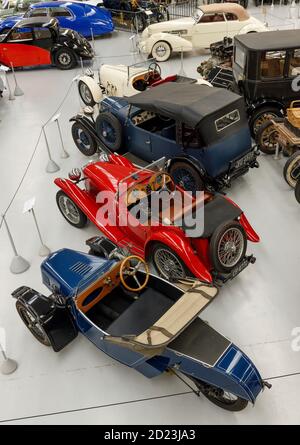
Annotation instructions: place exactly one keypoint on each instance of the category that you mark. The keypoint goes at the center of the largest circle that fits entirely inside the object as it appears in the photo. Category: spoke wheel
(32, 324)
(83, 139)
(167, 263)
(267, 137)
(70, 211)
(261, 116)
(291, 171)
(228, 246)
(129, 268)
(186, 177)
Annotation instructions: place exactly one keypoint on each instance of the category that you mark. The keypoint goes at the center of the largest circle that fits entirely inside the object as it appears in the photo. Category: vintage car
(18, 8)
(221, 56)
(85, 19)
(283, 134)
(124, 80)
(297, 191)
(138, 319)
(40, 41)
(214, 251)
(136, 13)
(202, 131)
(209, 24)
(265, 67)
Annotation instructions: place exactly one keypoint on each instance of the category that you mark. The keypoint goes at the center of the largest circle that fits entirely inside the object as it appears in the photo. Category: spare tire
(228, 246)
(109, 130)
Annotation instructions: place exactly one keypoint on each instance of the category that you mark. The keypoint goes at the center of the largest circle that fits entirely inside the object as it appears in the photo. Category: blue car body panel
(86, 19)
(215, 157)
(71, 272)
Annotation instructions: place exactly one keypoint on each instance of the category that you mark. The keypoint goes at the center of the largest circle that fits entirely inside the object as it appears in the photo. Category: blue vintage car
(203, 131)
(86, 19)
(139, 319)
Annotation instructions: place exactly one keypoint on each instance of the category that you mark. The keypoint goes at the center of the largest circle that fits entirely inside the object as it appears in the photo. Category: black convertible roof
(188, 103)
(36, 21)
(270, 40)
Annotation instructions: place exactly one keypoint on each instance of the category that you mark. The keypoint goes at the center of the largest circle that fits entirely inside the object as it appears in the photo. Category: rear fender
(93, 87)
(250, 232)
(182, 248)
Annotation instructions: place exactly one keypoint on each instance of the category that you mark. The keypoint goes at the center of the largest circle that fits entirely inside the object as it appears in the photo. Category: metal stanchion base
(18, 91)
(44, 250)
(52, 167)
(11, 97)
(19, 265)
(8, 366)
(64, 155)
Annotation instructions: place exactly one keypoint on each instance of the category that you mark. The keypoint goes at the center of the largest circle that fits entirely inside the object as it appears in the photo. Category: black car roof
(35, 21)
(270, 40)
(187, 103)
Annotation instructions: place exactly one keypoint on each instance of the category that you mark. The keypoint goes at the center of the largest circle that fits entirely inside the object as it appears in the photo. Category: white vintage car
(124, 80)
(209, 24)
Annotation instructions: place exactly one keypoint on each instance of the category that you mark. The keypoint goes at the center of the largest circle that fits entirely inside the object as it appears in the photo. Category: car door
(18, 48)
(138, 139)
(210, 28)
(43, 42)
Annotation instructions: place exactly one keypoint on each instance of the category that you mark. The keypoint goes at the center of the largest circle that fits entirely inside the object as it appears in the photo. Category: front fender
(177, 43)
(93, 87)
(181, 246)
(253, 27)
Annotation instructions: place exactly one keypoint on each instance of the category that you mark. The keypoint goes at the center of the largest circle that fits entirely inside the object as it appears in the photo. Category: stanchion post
(64, 153)
(18, 91)
(51, 167)
(18, 263)
(11, 96)
(29, 208)
(93, 40)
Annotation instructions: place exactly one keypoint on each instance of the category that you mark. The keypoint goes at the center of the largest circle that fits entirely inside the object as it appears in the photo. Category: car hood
(172, 25)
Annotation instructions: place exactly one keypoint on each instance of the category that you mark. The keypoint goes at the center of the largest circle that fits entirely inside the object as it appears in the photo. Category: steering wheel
(155, 70)
(137, 192)
(129, 268)
(162, 181)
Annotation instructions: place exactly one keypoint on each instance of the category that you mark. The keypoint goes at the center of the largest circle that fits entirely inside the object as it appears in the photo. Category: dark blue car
(203, 131)
(86, 19)
(138, 319)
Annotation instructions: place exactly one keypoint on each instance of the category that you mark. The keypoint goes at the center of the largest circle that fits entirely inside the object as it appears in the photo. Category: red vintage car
(216, 254)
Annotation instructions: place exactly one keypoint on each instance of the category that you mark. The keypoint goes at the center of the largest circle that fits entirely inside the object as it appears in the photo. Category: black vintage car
(264, 70)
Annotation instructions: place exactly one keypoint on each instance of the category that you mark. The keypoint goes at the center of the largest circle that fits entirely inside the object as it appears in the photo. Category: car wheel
(291, 170)
(244, 3)
(228, 246)
(65, 59)
(32, 323)
(262, 115)
(297, 191)
(70, 211)
(186, 176)
(138, 22)
(85, 94)
(84, 140)
(109, 130)
(220, 397)
(167, 263)
(161, 51)
(267, 137)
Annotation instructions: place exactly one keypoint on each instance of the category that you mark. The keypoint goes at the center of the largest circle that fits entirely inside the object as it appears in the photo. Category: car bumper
(220, 279)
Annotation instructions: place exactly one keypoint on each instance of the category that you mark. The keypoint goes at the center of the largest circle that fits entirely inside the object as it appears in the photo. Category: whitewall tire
(161, 51)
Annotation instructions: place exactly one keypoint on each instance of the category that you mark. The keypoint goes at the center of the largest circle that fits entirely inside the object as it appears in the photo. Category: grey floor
(258, 310)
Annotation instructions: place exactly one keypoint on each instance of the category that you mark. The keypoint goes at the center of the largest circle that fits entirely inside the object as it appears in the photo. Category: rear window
(60, 12)
(227, 120)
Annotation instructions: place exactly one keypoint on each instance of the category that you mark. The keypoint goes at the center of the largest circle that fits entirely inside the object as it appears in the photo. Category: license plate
(239, 268)
(148, 12)
(243, 161)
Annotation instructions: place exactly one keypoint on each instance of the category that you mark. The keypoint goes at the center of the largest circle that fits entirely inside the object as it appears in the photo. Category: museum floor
(258, 310)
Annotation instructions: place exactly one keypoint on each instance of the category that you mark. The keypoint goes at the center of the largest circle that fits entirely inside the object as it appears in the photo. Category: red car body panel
(20, 54)
(106, 176)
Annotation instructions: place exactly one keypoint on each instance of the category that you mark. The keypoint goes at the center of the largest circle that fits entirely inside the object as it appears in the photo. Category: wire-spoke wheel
(228, 246)
(291, 170)
(70, 211)
(261, 116)
(32, 323)
(186, 176)
(167, 263)
(267, 137)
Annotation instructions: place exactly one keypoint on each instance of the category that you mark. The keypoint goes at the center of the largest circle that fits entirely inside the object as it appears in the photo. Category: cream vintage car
(209, 24)
(124, 80)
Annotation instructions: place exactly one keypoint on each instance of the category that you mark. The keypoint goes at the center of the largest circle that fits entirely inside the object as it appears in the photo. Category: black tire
(230, 235)
(291, 170)
(168, 272)
(85, 94)
(109, 131)
(84, 140)
(75, 217)
(219, 397)
(261, 115)
(186, 176)
(139, 22)
(267, 137)
(65, 59)
(30, 321)
(297, 191)
(244, 3)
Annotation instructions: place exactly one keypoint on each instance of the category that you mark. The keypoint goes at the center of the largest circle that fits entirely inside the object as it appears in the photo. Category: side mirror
(75, 175)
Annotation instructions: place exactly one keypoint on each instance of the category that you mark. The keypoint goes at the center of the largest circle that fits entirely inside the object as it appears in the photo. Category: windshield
(197, 15)
(140, 67)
